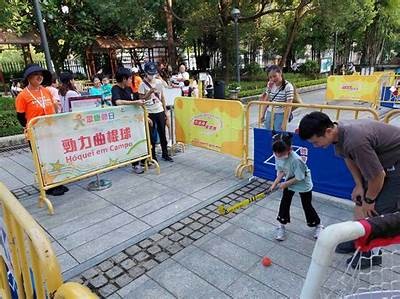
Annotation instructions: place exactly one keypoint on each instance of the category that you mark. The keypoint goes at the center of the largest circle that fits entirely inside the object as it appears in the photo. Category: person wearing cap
(136, 81)
(35, 100)
(67, 90)
(122, 94)
(152, 93)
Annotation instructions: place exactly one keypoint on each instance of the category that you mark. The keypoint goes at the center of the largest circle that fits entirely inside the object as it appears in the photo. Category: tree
(302, 9)
(385, 23)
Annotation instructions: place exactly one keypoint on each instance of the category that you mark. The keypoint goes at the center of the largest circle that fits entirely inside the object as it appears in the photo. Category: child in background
(186, 89)
(106, 86)
(298, 179)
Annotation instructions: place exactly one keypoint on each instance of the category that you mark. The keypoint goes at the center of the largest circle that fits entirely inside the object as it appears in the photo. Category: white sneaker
(138, 169)
(280, 233)
(317, 230)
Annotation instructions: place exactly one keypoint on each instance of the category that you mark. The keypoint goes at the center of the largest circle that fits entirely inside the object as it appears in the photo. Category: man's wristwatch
(369, 200)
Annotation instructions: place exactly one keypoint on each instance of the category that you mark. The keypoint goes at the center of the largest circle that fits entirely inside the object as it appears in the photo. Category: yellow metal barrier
(354, 88)
(247, 164)
(392, 114)
(34, 265)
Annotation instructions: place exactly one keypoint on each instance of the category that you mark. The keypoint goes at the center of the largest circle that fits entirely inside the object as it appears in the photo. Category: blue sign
(389, 99)
(329, 172)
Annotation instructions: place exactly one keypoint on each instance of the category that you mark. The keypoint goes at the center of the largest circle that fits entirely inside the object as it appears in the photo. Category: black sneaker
(64, 188)
(345, 247)
(167, 158)
(56, 191)
(366, 260)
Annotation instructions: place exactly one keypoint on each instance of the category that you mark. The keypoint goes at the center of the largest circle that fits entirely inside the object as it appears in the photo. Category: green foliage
(252, 71)
(310, 68)
(234, 86)
(7, 104)
(257, 90)
(9, 124)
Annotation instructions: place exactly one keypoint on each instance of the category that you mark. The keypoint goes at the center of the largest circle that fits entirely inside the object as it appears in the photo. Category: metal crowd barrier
(33, 266)
(246, 162)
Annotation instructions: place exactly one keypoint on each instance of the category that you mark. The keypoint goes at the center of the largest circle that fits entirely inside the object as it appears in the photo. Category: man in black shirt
(122, 94)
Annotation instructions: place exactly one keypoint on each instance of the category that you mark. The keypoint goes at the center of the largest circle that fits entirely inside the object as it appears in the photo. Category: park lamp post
(43, 37)
(235, 13)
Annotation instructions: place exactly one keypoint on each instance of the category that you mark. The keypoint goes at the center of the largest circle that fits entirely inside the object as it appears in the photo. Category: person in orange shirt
(35, 100)
(136, 81)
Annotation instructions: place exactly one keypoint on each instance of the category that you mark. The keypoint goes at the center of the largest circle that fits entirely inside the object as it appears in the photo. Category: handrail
(390, 115)
(30, 251)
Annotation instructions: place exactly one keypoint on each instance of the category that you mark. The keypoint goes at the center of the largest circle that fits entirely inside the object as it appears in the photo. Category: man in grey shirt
(371, 151)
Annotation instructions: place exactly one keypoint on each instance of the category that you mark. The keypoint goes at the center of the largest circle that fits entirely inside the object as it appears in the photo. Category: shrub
(310, 68)
(9, 124)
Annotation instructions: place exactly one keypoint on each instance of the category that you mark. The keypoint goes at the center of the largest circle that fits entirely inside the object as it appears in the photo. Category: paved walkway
(226, 263)
(87, 225)
(103, 234)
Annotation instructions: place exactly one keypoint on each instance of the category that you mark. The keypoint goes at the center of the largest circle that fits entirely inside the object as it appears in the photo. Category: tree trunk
(224, 19)
(170, 37)
(298, 16)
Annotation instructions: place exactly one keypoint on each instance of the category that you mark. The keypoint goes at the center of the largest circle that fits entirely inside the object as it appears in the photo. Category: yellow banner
(354, 88)
(212, 124)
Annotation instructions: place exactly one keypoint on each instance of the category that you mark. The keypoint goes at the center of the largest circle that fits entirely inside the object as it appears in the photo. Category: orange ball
(266, 261)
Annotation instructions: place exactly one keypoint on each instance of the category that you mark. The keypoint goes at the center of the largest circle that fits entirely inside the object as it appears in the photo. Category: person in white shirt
(151, 91)
(183, 74)
(67, 90)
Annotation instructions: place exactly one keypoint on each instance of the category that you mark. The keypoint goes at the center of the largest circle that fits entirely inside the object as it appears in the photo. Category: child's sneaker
(317, 230)
(280, 233)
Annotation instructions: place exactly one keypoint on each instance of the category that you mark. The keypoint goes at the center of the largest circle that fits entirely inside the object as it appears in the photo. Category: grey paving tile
(58, 249)
(66, 261)
(254, 225)
(278, 278)
(193, 183)
(95, 231)
(247, 240)
(343, 284)
(21, 173)
(121, 180)
(76, 205)
(214, 189)
(157, 203)
(230, 253)
(114, 296)
(169, 211)
(107, 241)
(290, 259)
(94, 217)
(209, 268)
(246, 287)
(128, 198)
(183, 283)
(144, 287)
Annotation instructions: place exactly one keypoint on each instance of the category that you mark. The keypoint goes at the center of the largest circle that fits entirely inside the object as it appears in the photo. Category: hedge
(300, 84)
(9, 124)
